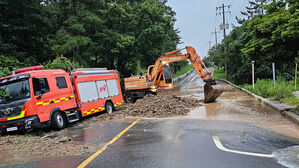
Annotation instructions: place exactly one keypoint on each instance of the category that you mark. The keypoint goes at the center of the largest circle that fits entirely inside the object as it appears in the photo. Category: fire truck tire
(58, 121)
(109, 107)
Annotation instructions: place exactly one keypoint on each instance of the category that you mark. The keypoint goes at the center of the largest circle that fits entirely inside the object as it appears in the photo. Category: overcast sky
(196, 20)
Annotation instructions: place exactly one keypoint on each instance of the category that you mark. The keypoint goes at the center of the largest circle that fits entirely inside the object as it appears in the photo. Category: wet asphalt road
(241, 123)
(175, 143)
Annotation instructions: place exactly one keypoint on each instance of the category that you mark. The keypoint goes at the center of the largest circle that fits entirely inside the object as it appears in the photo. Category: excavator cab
(165, 83)
(164, 78)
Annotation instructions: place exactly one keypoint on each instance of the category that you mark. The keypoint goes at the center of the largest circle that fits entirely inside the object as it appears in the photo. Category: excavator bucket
(212, 92)
(168, 91)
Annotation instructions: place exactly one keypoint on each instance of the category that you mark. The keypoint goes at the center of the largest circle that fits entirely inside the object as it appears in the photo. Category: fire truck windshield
(13, 91)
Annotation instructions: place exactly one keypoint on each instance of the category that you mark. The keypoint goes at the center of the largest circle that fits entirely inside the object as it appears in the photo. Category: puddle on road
(240, 106)
(288, 157)
(98, 134)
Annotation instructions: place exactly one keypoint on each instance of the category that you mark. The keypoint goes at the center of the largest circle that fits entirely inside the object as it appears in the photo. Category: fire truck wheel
(109, 107)
(58, 121)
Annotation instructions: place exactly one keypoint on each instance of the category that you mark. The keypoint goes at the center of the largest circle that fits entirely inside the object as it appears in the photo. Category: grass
(283, 91)
(183, 70)
(17, 142)
(219, 73)
(34, 134)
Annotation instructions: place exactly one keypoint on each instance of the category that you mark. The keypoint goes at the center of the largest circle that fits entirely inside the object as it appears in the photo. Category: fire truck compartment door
(102, 88)
(112, 87)
(88, 91)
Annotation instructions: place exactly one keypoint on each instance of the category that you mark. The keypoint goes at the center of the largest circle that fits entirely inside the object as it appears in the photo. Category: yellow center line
(88, 160)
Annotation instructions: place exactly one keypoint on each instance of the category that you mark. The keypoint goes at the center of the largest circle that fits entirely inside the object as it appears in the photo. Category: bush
(62, 63)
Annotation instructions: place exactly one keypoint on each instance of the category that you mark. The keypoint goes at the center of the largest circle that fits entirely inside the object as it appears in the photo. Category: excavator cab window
(150, 70)
(167, 74)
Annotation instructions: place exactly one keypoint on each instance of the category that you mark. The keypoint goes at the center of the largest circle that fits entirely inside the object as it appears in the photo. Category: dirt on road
(20, 148)
(151, 106)
(162, 106)
(38, 144)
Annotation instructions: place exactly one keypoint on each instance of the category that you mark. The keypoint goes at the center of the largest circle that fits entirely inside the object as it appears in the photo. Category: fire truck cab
(35, 98)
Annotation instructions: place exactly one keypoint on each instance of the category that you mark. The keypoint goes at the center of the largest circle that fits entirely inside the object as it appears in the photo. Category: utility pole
(222, 12)
(209, 42)
(223, 26)
(215, 37)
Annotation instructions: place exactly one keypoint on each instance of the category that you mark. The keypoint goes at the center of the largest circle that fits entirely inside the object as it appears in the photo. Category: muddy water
(236, 105)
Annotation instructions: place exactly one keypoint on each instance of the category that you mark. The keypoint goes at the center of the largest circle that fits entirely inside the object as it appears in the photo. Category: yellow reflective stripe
(118, 103)
(38, 103)
(93, 110)
(46, 104)
(19, 116)
(55, 101)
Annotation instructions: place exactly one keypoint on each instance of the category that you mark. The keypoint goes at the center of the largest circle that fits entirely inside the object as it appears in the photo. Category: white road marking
(221, 147)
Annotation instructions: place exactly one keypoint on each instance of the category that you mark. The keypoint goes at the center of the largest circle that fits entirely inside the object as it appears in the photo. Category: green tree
(24, 29)
(62, 63)
(275, 36)
(270, 36)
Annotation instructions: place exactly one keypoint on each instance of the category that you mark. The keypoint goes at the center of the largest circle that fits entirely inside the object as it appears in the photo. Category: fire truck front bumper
(20, 124)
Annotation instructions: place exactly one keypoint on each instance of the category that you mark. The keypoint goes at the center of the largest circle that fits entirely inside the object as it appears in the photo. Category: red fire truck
(35, 98)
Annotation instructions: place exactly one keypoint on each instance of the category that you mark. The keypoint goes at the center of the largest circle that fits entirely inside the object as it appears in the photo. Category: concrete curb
(182, 77)
(291, 116)
(284, 111)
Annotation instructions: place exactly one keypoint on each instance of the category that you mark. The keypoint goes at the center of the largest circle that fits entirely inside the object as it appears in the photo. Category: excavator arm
(173, 56)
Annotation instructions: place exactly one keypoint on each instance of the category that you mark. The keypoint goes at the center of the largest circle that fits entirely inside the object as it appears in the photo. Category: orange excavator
(158, 78)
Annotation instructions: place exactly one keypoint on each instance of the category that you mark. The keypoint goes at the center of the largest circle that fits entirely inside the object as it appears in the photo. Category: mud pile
(161, 106)
(149, 106)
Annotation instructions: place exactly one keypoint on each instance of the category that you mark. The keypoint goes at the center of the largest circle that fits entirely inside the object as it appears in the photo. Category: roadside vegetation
(267, 33)
(219, 73)
(283, 91)
(182, 71)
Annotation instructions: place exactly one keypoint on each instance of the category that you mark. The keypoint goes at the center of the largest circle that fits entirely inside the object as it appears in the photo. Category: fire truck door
(42, 96)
